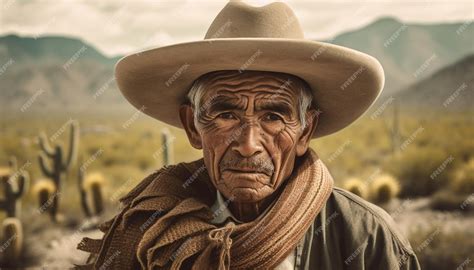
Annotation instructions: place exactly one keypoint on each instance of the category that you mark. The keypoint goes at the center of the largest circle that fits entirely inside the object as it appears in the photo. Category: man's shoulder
(366, 218)
(350, 231)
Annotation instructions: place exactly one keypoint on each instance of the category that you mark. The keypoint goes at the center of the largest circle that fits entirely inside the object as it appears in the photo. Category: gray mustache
(258, 165)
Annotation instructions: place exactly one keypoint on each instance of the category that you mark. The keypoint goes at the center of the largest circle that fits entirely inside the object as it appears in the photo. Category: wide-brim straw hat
(344, 82)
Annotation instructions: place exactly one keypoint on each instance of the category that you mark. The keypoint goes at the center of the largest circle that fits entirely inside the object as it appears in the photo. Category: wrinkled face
(250, 132)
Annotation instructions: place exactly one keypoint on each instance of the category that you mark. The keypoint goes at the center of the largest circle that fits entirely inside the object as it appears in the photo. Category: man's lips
(244, 170)
(246, 166)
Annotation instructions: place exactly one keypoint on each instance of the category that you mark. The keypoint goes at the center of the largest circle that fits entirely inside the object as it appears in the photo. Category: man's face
(249, 131)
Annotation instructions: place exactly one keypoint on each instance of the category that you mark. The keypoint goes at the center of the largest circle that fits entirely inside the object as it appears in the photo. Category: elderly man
(252, 95)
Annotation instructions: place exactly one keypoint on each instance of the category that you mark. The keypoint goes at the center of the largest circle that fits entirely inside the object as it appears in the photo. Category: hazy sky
(120, 27)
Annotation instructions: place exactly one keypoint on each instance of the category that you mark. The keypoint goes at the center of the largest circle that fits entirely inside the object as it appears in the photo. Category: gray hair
(305, 97)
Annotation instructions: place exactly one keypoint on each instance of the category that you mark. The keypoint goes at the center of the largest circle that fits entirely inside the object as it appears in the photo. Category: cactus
(83, 193)
(384, 188)
(45, 190)
(12, 239)
(393, 128)
(167, 146)
(356, 186)
(14, 185)
(91, 184)
(58, 166)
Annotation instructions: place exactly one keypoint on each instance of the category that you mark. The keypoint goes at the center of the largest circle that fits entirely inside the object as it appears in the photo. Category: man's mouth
(244, 170)
(246, 166)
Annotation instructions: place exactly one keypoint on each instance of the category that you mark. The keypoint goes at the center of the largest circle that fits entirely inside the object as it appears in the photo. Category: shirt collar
(221, 211)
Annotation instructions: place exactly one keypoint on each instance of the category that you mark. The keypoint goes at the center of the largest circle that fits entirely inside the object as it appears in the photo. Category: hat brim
(345, 82)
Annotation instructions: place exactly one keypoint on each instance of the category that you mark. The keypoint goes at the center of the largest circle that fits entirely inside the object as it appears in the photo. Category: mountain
(52, 48)
(449, 89)
(55, 72)
(410, 52)
(68, 73)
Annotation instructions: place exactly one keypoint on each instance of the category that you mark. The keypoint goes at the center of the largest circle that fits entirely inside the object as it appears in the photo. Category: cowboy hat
(344, 82)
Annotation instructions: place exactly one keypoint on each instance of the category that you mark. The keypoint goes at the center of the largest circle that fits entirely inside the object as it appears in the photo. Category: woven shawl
(165, 222)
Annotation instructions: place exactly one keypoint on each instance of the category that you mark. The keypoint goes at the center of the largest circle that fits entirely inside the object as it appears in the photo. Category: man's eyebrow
(223, 104)
(275, 106)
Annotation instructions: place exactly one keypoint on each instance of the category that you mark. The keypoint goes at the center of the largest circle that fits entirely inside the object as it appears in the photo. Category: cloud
(119, 27)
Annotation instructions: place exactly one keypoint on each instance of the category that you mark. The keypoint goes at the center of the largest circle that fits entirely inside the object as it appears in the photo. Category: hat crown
(240, 20)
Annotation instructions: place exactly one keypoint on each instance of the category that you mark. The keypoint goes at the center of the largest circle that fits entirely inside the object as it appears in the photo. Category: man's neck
(247, 212)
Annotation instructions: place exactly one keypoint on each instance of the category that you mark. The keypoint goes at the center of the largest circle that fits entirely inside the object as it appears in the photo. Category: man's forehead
(262, 98)
(228, 98)
(223, 102)
(258, 84)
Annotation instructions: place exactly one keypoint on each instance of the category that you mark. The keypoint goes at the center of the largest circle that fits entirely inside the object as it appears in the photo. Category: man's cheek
(216, 140)
(281, 150)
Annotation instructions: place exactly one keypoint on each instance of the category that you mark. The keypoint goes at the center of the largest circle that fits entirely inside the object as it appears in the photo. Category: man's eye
(226, 115)
(272, 117)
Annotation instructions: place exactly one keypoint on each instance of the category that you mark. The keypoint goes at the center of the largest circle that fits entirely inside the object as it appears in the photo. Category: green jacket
(348, 233)
(351, 233)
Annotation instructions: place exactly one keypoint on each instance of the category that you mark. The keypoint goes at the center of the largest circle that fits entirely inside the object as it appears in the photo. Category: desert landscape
(71, 146)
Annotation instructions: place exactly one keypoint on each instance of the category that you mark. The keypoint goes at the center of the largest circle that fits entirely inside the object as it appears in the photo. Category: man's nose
(247, 143)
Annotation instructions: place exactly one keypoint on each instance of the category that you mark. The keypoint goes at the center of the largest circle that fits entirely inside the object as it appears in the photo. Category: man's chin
(253, 180)
(249, 194)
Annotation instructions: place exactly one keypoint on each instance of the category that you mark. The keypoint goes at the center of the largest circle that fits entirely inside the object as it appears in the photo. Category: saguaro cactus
(83, 193)
(91, 185)
(58, 166)
(12, 239)
(393, 128)
(14, 185)
(167, 146)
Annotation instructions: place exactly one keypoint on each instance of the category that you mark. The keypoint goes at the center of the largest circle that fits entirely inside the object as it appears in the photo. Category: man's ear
(187, 119)
(312, 117)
